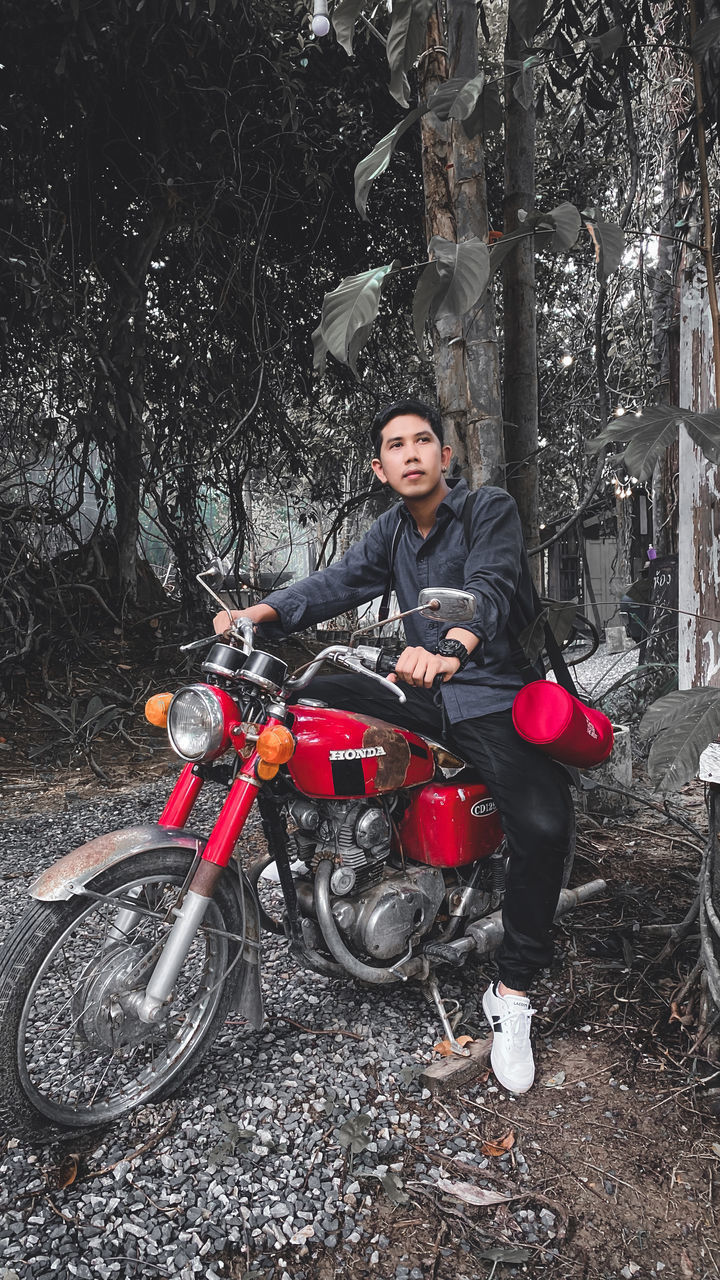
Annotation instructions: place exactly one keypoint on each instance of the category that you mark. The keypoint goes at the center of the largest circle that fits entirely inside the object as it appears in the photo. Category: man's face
(411, 459)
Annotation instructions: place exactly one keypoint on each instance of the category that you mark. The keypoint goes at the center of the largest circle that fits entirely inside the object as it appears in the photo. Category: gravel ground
(288, 1147)
(598, 673)
(253, 1158)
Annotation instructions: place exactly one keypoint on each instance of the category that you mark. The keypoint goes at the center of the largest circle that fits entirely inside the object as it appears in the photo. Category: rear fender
(72, 873)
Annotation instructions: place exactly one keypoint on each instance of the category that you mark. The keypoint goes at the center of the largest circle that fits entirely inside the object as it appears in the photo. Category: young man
(480, 665)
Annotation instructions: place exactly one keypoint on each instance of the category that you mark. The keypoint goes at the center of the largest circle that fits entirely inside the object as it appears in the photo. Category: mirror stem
(394, 617)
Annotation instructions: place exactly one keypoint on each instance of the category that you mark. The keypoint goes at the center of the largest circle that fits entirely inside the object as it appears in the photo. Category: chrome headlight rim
(214, 741)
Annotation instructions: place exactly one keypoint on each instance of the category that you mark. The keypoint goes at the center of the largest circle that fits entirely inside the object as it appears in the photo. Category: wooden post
(699, 499)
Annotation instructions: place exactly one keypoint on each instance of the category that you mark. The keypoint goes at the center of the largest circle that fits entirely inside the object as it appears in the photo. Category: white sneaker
(511, 1055)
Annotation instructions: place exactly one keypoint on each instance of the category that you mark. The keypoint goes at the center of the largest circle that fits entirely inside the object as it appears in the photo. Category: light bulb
(320, 22)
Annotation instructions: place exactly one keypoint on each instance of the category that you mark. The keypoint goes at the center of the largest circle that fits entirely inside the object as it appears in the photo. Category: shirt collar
(454, 501)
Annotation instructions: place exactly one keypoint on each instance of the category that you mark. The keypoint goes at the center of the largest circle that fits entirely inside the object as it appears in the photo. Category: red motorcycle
(389, 855)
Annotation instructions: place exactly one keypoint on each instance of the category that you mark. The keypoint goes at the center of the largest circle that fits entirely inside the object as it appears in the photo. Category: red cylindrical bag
(562, 726)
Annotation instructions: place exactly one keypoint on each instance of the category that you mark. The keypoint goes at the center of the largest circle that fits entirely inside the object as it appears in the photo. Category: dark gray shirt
(494, 568)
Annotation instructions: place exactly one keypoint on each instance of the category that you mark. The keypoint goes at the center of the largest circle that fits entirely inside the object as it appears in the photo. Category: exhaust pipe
(483, 936)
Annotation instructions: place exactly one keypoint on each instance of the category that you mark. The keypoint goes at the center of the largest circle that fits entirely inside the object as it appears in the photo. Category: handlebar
(365, 660)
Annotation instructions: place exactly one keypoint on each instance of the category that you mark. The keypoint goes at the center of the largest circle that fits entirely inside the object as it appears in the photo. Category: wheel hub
(102, 1009)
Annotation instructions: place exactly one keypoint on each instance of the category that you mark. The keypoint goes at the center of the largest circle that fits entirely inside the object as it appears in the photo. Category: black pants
(530, 790)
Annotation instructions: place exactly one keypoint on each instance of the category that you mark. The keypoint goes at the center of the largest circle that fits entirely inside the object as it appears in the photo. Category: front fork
(215, 857)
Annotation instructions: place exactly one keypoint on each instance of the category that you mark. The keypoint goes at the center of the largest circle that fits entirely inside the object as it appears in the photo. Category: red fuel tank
(450, 825)
(341, 753)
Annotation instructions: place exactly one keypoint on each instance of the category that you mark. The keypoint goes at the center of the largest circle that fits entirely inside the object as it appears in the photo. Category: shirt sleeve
(359, 576)
(494, 561)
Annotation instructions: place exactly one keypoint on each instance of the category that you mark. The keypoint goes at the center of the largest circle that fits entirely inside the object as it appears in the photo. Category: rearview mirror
(445, 604)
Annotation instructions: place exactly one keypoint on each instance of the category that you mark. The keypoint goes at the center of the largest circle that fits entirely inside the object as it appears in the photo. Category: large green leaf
(527, 16)
(345, 15)
(648, 436)
(605, 45)
(465, 270)
(609, 241)
(405, 41)
(673, 708)
(567, 223)
(705, 37)
(429, 287)
(675, 754)
(378, 160)
(487, 114)
(443, 99)
(456, 99)
(468, 98)
(650, 433)
(644, 450)
(348, 314)
(704, 430)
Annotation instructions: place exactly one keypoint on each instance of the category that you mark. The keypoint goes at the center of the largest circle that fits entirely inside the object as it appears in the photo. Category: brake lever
(341, 660)
(197, 644)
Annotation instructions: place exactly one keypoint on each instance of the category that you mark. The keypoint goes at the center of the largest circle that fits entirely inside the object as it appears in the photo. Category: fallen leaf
(716, 1148)
(685, 1019)
(444, 1049)
(63, 1174)
(499, 1148)
(555, 1080)
(502, 1254)
(686, 1265)
(469, 1193)
(393, 1187)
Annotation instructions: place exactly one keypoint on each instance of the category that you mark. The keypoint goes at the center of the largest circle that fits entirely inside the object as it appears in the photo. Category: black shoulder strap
(554, 652)
(384, 610)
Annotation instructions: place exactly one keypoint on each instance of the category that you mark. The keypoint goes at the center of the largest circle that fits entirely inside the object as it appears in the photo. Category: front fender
(72, 873)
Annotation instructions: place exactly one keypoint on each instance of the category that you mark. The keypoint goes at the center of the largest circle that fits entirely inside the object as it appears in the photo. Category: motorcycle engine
(378, 908)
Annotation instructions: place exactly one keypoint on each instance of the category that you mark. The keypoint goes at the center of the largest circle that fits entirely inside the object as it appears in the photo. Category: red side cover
(446, 825)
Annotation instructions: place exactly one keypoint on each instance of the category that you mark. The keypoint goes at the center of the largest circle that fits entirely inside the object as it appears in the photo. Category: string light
(320, 21)
(619, 412)
(567, 360)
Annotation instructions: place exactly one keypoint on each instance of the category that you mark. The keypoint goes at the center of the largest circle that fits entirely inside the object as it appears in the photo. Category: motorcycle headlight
(196, 724)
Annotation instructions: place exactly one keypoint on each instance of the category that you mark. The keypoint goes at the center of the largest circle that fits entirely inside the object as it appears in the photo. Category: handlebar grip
(386, 663)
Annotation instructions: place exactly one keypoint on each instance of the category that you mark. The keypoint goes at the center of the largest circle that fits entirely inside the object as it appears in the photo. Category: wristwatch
(447, 648)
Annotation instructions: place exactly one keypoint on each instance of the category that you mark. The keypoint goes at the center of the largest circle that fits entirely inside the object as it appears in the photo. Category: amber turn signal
(275, 745)
(266, 771)
(156, 709)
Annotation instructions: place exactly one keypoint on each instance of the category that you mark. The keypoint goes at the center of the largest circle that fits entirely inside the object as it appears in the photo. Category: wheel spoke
(85, 1056)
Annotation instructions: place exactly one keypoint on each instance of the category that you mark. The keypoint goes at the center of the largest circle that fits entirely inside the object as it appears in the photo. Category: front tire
(73, 1052)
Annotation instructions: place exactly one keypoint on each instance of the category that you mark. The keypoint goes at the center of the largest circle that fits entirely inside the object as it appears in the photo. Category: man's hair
(398, 410)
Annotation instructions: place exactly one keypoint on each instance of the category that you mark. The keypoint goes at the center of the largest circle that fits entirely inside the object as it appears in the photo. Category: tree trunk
(465, 348)
(121, 391)
(699, 499)
(666, 344)
(520, 388)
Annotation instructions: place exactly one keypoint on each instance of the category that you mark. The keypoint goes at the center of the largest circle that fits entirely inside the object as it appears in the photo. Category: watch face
(453, 649)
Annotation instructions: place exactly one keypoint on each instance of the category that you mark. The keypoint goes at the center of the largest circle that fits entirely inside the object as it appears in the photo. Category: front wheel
(73, 1051)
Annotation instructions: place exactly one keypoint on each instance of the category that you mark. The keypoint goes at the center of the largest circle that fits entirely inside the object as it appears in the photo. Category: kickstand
(430, 988)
